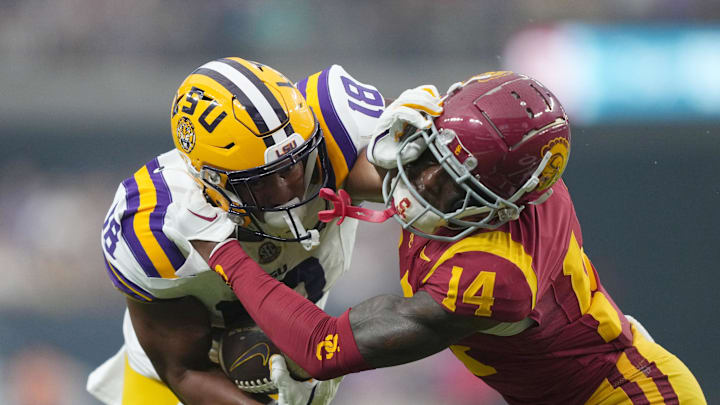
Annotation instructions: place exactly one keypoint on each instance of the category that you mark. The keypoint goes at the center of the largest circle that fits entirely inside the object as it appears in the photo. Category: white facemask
(408, 208)
(283, 221)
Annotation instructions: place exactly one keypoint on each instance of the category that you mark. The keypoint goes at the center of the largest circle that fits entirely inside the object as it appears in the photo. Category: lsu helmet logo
(559, 149)
(185, 134)
(329, 345)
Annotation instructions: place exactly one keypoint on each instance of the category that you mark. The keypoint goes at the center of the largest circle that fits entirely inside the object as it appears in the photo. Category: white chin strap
(291, 219)
(296, 227)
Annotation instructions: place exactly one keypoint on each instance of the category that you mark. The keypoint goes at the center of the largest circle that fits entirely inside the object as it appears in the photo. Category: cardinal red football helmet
(504, 138)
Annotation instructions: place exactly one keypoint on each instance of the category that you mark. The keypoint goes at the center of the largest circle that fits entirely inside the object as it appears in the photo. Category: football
(244, 355)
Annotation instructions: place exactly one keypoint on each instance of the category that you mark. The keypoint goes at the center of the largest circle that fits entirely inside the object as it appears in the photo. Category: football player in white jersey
(259, 148)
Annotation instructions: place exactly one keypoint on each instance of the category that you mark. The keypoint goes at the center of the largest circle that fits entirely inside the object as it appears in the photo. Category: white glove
(193, 218)
(641, 329)
(413, 108)
(292, 392)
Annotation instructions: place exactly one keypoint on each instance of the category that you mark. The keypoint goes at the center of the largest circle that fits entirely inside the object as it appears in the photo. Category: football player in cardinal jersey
(492, 263)
(252, 150)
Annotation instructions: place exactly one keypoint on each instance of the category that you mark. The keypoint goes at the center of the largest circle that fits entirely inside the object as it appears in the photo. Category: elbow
(173, 377)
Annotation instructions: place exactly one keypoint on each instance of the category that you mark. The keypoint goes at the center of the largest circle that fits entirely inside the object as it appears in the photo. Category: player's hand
(413, 109)
(293, 392)
(194, 219)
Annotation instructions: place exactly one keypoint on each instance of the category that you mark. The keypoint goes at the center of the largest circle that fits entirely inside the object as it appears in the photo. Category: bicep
(391, 330)
(175, 334)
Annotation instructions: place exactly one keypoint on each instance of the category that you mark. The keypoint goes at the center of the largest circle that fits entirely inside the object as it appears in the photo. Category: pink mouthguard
(342, 208)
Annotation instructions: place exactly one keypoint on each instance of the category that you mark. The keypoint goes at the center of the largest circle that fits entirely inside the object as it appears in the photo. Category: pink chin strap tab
(342, 208)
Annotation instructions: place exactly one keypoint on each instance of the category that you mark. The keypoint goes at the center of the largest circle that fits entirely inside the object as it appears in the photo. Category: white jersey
(143, 262)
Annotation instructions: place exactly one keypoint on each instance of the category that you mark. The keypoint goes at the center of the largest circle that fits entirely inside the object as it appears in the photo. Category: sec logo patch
(268, 252)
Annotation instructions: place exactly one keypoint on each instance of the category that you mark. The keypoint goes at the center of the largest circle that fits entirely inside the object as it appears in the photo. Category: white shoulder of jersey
(139, 257)
(346, 109)
(357, 104)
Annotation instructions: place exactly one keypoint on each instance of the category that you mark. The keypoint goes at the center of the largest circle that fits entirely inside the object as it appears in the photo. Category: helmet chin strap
(297, 228)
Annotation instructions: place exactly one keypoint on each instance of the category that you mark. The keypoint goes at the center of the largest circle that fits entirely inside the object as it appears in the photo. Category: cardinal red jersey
(532, 271)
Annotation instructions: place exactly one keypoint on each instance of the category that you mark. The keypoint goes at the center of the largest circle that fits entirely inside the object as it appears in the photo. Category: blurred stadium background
(86, 86)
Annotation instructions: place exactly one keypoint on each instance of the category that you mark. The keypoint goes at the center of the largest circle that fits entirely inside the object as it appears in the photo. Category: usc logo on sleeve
(329, 345)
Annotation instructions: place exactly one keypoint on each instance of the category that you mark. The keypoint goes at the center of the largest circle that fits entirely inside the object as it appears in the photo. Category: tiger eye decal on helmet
(185, 134)
(559, 149)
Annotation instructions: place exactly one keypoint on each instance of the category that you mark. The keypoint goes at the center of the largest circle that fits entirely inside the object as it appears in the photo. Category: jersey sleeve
(347, 111)
(140, 259)
(481, 284)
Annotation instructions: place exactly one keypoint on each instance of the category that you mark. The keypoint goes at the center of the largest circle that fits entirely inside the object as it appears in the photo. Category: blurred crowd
(57, 30)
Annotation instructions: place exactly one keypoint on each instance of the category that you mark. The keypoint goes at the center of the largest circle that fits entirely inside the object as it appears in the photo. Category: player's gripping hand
(413, 109)
(293, 392)
(194, 219)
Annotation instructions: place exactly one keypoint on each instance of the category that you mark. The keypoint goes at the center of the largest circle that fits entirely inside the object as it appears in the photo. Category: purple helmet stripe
(126, 286)
(239, 94)
(336, 127)
(261, 86)
(132, 197)
(157, 217)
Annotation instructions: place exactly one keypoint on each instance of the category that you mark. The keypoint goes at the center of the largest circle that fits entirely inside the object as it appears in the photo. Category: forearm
(388, 334)
(364, 182)
(176, 336)
(207, 387)
(323, 345)
(382, 331)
